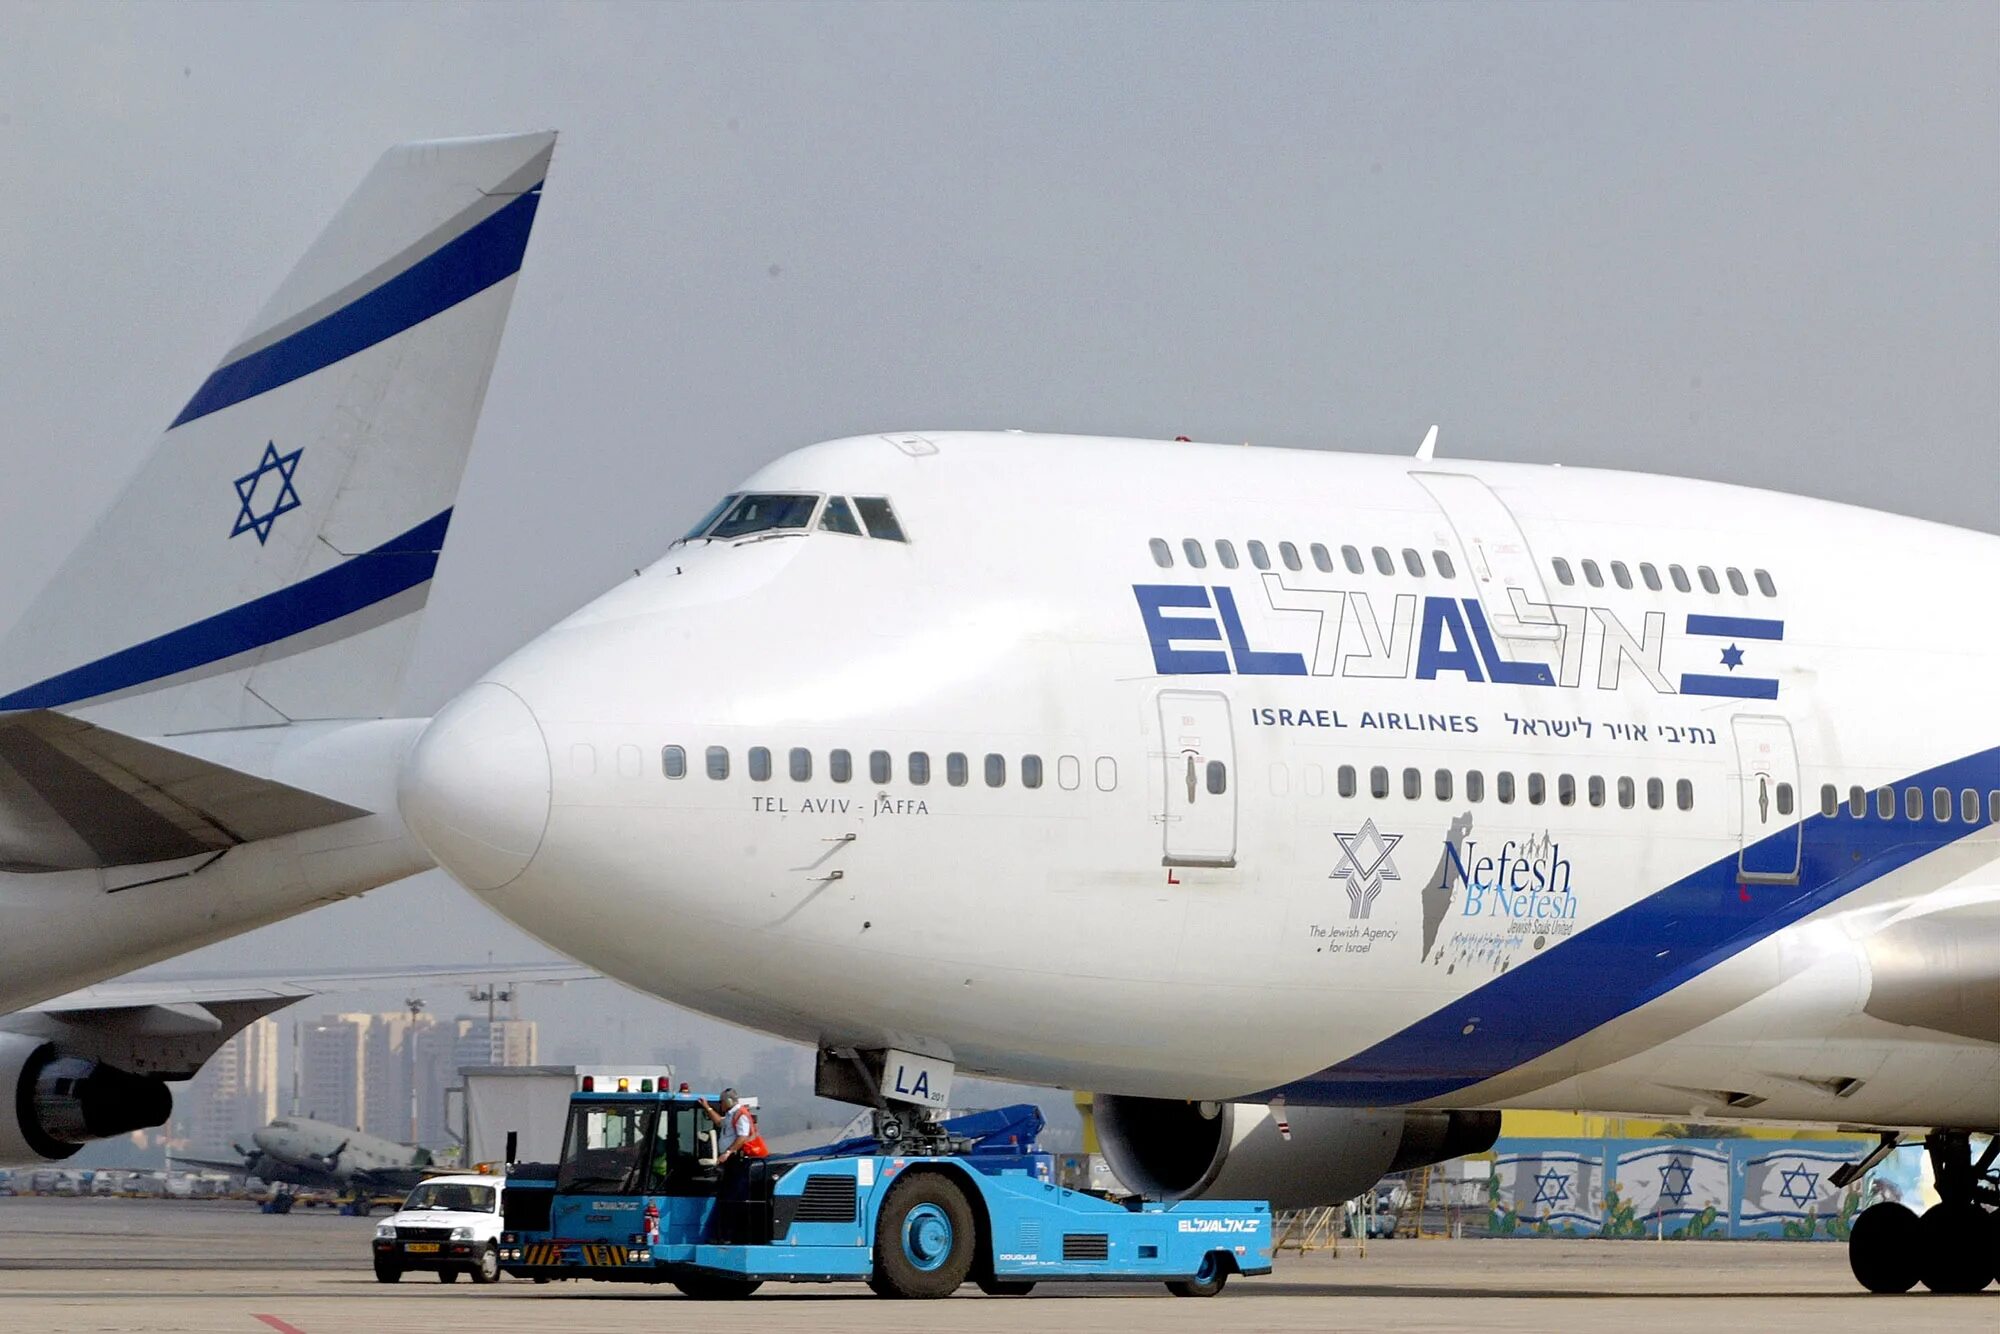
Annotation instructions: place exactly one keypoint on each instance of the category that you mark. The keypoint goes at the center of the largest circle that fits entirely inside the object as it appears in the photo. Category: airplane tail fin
(268, 562)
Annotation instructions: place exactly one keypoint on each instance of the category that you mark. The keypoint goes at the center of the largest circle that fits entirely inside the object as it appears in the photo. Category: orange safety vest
(751, 1145)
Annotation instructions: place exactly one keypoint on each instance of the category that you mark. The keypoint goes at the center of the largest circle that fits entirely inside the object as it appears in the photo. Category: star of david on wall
(248, 518)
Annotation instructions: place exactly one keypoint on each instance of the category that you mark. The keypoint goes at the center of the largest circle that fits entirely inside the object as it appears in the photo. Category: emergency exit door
(1767, 765)
(1199, 755)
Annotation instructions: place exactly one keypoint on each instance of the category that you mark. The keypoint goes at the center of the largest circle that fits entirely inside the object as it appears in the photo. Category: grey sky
(1751, 242)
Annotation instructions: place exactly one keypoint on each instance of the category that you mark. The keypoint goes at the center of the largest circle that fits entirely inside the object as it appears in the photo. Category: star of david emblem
(248, 518)
(1732, 657)
(1365, 865)
(1551, 1188)
(1676, 1182)
(1800, 1186)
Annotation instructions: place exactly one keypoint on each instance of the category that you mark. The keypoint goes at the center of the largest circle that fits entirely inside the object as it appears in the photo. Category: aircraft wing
(76, 796)
(236, 1167)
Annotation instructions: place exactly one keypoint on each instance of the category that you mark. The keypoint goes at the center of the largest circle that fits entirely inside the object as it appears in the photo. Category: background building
(234, 1093)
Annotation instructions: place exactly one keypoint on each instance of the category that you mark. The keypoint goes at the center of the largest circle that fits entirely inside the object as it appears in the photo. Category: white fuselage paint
(1037, 934)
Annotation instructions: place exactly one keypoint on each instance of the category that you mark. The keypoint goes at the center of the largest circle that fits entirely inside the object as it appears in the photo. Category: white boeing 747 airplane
(1381, 792)
(195, 716)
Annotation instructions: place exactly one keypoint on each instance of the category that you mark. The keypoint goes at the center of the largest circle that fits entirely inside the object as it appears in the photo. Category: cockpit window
(881, 520)
(764, 513)
(709, 518)
(838, 518)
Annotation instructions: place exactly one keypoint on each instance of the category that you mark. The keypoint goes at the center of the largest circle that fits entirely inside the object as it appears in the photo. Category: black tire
(1208, 1280)
(487, 1269)
(447, 1276)
(387, 1273)
(1006, 1287)
(925, 1238)
(704, 1288)
(1955, 1247)
(1882, 1249)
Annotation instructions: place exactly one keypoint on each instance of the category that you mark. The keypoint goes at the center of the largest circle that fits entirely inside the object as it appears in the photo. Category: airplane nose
(475, 789)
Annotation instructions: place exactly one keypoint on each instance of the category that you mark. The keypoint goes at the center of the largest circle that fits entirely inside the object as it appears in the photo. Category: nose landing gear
(1954, 1246)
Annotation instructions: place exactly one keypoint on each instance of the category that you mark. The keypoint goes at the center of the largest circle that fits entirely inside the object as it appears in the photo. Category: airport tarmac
(167, 1265)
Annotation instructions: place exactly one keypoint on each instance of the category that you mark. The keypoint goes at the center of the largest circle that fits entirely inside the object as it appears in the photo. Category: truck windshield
(764, 513)
(452, 1195)
(605, 1149)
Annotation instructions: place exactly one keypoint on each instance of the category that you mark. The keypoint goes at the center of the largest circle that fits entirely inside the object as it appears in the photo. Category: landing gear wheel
(1955, 1247)
(447, 1276)
(706, 1289)
(1882, 1250)
(1208, 1280)
(1006, 1287)
(387, 1273)
(925, 1238)
(488, 1268)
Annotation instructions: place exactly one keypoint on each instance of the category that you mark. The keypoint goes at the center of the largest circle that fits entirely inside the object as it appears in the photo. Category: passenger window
(1344, 781)
(956, 769)
(1538, 789)
(1736, 582)
(1968, 806)
(1993, 807)
(1565, 790)
(1475, 785)
(1656, 794)
(1290, 555)
(1829, 800)
(760, 764)
(996, 771)
(1941, 805)
(1413, 784)
(1913, 803)
(1260, 557)
(1351, 557)
(1708, 581)
(1322, 559)
(718, 762)
(1684, 796)
(1591, 575)
(1785, 802)
(1764, 584)
(1413, 563)
(1107, 773)
(801, 764)
(1857, 802)
(1503, 787)
(919, 770)
(1442, 563)
(1218, 778)
(1384, 563)
(1192, 550)
(674, 761)
(1163, 555)
(1315, 781)
(1069, 773)
(839, 766)
(838, 518)
(763, 514)
(881, 520)
(1620, 575)
(1378, 781)
(1628, 794)
(1597, 789)
(1031, 771)
(879, 768)
(1885, 803)
(1650, 575)
(1680, 578)
(1443, 782)
(1563, 576)
(1225, 553)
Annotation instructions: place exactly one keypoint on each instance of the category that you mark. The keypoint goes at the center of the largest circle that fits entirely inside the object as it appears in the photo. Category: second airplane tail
(268, 562)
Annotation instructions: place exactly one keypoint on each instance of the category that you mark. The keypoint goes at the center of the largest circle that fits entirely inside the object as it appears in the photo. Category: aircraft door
(1768, 791)
(1199, 753)
(1498, 559)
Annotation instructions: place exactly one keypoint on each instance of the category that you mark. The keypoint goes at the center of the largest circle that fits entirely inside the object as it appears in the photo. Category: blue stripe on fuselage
(401, 563)
(1638, 954)
(464, 266)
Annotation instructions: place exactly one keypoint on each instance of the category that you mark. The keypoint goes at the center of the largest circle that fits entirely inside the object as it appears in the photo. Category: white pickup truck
(449, 1225)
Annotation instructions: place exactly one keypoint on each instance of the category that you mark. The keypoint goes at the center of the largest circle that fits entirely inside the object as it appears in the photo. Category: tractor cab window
(607, 1149)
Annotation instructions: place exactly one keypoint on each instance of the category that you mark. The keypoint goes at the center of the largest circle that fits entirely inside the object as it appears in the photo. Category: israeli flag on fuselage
(1733, 640)
(268, 561)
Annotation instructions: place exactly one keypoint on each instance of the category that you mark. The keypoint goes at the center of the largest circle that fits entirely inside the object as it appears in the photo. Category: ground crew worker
(739, 1129)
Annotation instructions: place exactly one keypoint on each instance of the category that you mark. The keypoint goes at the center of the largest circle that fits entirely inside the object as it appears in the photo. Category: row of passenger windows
(1595, 789)
(1941, 804)
(1649, 574)
(840, 767)
(1288, 555)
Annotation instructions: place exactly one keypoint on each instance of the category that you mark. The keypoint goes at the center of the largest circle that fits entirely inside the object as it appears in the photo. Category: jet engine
(61, 1102)
(1186, 1150)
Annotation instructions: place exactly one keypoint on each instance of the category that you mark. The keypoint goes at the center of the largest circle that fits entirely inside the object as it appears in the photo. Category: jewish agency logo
(1365, 865)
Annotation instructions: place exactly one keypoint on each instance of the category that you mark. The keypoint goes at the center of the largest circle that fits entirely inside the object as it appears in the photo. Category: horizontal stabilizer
(74, 796)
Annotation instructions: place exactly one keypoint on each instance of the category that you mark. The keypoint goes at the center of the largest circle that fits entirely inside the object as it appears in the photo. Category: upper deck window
(763, 513)
(881, 520)
(838, 517)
